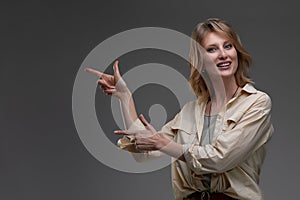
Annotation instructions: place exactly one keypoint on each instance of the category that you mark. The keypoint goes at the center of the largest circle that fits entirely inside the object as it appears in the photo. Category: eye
(211, 49)
(228, 46)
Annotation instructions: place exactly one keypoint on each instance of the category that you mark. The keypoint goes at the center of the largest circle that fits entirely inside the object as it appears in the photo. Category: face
(221, 53)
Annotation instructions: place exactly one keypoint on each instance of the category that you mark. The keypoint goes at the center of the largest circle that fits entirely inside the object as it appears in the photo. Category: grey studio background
(43, 44)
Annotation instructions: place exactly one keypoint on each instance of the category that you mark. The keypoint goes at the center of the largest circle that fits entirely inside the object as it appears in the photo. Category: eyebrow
(215, 44)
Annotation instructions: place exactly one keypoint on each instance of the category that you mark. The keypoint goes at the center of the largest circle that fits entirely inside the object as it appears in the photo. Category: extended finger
(116, 70)
(93, 71)
(146, 123)
(125, 132)
(143, 120)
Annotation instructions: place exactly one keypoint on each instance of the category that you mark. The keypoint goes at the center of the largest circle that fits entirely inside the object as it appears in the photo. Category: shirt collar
(249, 88)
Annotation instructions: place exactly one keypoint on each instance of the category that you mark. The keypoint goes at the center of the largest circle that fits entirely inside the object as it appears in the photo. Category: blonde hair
(199, 33)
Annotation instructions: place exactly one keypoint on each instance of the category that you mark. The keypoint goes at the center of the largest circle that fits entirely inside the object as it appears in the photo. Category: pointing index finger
(92, 71)
(124, 132)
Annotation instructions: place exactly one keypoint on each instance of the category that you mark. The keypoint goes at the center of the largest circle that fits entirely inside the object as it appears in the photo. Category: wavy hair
(195, 61)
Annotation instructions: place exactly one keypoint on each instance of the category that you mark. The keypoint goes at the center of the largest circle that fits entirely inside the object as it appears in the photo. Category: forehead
(214, 38)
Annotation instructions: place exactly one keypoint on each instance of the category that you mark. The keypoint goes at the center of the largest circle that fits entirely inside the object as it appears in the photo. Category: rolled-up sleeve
(235, 144)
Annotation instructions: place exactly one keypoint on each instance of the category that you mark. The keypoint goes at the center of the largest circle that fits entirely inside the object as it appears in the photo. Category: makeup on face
(221, 52)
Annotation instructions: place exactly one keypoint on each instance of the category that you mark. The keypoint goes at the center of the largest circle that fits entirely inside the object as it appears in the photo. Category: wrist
(162, 142)
(172, 148)
(125, 95)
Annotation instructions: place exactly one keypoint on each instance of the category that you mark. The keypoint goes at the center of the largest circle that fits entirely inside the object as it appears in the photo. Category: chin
(226, 74)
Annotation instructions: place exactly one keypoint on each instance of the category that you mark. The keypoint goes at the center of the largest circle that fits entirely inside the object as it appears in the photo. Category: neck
(231, 88)
(222, 91)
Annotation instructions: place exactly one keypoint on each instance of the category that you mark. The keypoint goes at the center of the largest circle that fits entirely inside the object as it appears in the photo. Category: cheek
(209, 59)
(236, 61)
(236, 64)
(212, 58)
(234, 57)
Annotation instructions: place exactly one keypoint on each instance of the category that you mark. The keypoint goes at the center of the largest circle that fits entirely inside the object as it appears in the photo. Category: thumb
(116, 70)
(146, 123)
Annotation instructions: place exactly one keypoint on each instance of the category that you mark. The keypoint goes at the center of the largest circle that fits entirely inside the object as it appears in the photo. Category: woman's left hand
(147, 139)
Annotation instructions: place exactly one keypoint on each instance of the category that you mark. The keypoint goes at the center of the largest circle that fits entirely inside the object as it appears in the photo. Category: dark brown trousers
(208, 196)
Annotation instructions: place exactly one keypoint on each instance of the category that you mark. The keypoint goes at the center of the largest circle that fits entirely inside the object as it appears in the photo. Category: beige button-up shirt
(236, 154)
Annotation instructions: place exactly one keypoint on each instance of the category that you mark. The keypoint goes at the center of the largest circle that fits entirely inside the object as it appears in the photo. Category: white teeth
(224, 64)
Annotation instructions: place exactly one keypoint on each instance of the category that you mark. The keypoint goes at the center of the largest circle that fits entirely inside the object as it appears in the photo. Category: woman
(217, 142)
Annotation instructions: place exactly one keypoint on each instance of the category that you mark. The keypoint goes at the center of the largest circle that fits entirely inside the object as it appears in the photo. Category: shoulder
(264, 101)
(191, 105)
(263, 96)
(185, 119)
(255, 97)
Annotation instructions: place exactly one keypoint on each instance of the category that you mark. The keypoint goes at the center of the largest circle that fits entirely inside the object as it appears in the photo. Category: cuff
(186, 152)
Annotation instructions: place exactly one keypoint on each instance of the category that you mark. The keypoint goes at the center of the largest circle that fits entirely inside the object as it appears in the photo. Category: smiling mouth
(224, 64)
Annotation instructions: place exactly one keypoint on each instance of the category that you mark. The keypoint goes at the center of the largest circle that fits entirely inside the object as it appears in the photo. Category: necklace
(235, 92)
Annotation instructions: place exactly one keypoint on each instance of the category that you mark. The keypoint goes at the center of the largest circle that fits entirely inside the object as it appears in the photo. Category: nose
(222, 54)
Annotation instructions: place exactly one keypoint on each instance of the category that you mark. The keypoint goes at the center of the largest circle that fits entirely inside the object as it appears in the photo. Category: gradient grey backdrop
(43, 44)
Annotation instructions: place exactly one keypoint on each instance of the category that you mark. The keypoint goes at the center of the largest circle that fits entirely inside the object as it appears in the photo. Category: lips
(224, 64)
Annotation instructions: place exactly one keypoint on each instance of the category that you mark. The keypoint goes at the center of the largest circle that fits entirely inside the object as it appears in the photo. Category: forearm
(128, 110)
(171, 148)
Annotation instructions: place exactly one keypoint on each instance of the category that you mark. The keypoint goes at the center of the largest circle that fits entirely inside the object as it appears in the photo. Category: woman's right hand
(111, 84)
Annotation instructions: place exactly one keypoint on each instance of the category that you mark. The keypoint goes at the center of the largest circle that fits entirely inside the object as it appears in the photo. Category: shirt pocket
(232, 120)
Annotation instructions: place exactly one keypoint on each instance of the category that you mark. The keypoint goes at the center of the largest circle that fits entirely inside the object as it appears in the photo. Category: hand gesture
(111, 84)
(147, 139)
